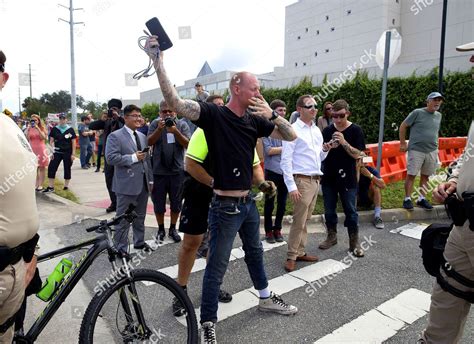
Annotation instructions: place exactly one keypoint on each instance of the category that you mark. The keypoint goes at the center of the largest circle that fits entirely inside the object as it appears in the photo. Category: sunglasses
(313, 106)
(2, 67)
(328, 108)
(341, 115)
(166, 112)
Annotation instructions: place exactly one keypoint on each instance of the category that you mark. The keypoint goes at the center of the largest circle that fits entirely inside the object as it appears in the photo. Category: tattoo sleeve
(353, 152)
(184, 107)
(283, 130)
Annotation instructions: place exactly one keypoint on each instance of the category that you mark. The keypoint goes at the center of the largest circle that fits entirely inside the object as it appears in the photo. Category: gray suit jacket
(128, 176)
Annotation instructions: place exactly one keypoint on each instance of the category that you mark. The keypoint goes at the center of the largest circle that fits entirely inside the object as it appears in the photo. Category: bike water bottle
(54, 280)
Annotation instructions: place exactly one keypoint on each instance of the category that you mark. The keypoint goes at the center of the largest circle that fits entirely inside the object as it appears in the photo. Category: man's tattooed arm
(353, 152)
(185, 107)
(283, 130)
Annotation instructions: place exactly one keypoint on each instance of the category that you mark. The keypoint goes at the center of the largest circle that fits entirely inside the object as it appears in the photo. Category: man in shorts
(422, 149)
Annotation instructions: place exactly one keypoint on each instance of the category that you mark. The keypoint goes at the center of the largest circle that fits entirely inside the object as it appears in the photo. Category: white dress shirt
(130, 131)
(303, 155)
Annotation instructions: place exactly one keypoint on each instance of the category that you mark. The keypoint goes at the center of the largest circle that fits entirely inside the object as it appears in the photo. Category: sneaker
(378, 223)
(178, 309)
(145, 248)
(275, 304)
(208, 334)
(224, 296)
(423, 203)
(173, 234)
(48, 189)
(65, 188)
(269, 237)
(277, 235)
(160, 236)
(408, 204)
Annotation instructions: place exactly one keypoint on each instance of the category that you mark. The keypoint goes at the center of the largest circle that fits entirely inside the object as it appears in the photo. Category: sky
(230, 35)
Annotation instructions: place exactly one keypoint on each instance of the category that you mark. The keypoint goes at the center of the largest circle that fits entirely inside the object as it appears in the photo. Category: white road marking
(384, 321)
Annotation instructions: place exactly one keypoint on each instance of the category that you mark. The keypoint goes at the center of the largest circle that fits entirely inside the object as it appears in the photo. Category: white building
(338, 37)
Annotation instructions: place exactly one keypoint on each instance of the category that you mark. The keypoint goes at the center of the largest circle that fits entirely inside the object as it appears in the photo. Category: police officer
(448, 313)
(19, 217)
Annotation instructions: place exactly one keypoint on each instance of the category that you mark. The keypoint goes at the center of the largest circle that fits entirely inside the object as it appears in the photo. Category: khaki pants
(448, 313)
(302, 212)
(12, 292)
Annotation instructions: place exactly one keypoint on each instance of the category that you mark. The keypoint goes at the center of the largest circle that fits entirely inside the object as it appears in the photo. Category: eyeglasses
(338, 115)
(2, 67)
(329, 108)
(135, 116)
(312, 106)
(166, 112)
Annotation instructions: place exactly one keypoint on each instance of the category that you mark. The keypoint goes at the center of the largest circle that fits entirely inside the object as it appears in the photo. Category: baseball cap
(114, 103)
(198, 84)
(434, 95)
(62, 115)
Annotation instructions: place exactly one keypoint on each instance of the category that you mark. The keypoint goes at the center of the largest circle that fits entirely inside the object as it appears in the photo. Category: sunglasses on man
(2, 67)
(312, 106)
(338, 115)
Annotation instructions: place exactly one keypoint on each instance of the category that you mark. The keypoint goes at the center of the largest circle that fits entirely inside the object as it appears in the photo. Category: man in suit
(132, 177)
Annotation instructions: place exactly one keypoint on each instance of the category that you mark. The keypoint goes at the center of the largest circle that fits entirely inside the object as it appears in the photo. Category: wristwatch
(274, 115)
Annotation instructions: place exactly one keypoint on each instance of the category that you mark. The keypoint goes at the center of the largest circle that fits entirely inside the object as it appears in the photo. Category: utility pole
(73, 73)
(31, 88)
(441, 48)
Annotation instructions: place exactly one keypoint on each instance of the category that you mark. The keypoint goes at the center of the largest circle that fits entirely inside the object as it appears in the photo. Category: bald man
(231, 133)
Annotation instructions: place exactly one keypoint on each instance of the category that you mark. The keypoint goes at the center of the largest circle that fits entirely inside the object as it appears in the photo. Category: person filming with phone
(169, 138)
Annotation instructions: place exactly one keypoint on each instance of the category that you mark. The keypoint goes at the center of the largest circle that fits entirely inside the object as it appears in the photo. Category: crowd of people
(207, 162)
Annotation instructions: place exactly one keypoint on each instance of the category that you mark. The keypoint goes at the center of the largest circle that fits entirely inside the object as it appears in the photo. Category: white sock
(407, 198)
(264, 293)
(421, 197)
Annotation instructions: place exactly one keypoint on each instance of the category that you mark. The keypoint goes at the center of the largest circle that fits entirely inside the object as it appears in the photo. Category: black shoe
(65, 188)
(408, 204)
(178, 308)
(97, 170)
(110, 209)
(160, 236)
(145, 247)
(423, 203)
(48, 189)
(202, 253)
(224, 296)
(173, 234)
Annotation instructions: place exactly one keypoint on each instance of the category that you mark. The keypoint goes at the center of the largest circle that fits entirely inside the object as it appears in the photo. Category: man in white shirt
(301, 165)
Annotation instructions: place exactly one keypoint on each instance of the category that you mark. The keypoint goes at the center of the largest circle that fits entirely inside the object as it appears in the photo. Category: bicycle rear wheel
(117, 312)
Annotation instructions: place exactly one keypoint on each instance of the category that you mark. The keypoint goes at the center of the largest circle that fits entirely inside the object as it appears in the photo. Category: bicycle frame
(99, 244)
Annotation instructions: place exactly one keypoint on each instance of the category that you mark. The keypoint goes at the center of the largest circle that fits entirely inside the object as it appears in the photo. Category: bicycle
(137, 316)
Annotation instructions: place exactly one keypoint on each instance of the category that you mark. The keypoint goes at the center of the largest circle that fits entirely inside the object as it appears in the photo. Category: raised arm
(185, 107)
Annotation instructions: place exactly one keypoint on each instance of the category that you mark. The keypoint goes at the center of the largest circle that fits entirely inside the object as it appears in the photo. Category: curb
(388, 215)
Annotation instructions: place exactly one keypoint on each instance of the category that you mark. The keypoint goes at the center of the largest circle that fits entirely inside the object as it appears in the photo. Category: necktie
(137, 140)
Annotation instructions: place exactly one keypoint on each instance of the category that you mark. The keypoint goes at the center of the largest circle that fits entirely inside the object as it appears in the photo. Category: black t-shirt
(63, 141)
(231, 143)
(339, 168)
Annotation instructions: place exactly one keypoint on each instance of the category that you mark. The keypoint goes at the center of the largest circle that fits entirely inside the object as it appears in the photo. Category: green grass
(58, 190)
(392, 197)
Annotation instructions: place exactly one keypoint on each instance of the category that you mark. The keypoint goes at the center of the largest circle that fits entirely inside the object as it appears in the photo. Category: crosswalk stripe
(383, 322)
(249, 298)
(200, 263)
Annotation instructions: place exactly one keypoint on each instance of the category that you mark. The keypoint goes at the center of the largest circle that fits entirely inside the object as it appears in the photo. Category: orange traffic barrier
(450, 148)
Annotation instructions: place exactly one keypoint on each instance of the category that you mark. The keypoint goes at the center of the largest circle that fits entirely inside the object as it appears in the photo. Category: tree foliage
(150, 111)
(403, 96)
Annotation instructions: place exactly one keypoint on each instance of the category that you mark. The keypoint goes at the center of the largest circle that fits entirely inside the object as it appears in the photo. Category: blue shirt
(272, 162)
(83, 140)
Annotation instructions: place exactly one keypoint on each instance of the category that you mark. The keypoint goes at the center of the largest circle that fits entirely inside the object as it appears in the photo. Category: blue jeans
(224, 223)
(348, 200)
(86, 153)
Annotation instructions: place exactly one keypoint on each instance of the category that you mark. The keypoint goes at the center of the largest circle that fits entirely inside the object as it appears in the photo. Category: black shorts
(364, 185)
(167, 185)
(194, 214)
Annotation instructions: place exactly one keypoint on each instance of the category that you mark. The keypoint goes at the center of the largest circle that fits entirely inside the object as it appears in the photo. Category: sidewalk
(90, 188)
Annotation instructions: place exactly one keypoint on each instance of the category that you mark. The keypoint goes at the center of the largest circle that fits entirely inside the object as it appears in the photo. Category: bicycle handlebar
(129, 215)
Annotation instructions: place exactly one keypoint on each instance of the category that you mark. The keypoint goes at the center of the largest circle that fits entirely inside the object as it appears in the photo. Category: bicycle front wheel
(139, 310)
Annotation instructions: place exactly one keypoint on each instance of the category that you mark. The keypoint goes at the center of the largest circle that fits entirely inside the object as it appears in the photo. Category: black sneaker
(408, 204)
(178, 308)
(173, 234)
(145, 247)
(48, 189)
(208, 334)
(160, 236)
(224, 296)
(423, 203)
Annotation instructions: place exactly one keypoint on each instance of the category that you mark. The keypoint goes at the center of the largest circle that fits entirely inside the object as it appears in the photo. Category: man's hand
(379, 182)
(340, 137)
(140, 155)
(30, 271)
(151, 47)
(268, 187)
(326, 147)
(73, 157)
(403, 146)
(443, 190)
(295, 196)
(260, 107)
(172, 129)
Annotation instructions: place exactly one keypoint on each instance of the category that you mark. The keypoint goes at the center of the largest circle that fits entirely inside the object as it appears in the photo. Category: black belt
(243, 199)
(314, 177)
(11, 256)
